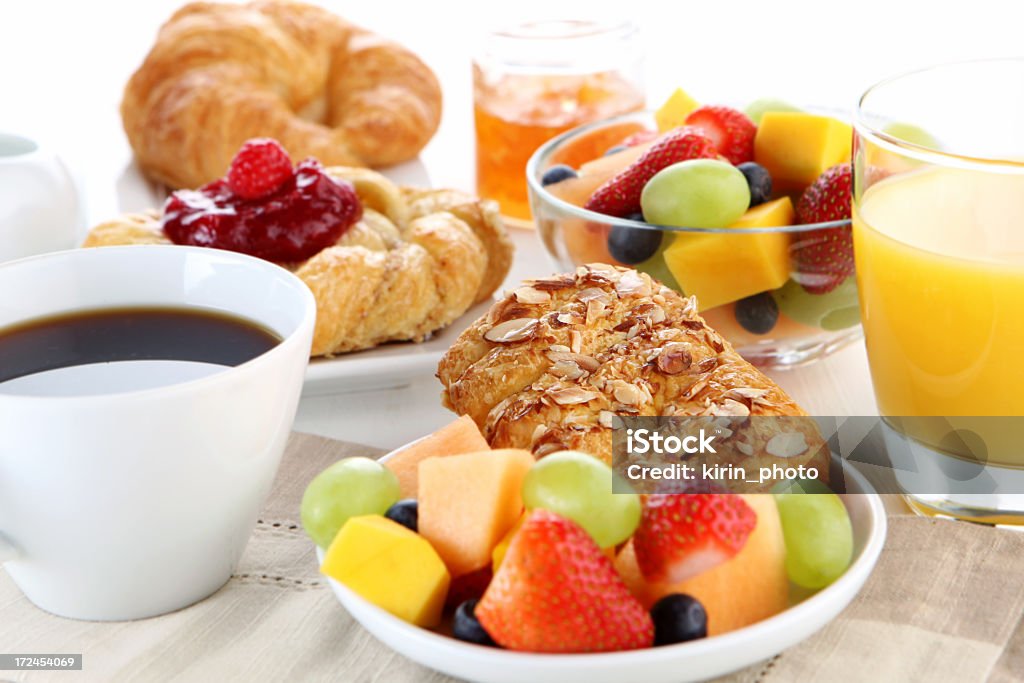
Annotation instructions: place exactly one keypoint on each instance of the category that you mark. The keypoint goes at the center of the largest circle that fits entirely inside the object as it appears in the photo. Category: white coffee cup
(39, 206)
(127, 504)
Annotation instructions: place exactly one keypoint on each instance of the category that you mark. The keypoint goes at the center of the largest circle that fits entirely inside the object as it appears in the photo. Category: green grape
(758, 108)
(819, 538)
(579, 487)
(831, 311)
(915, 135)
(801, 486)
(699, 193)
(348, 488)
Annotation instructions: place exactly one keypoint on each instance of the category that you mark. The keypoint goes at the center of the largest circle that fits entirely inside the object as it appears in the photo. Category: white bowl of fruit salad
(749, 211)
(490, 566)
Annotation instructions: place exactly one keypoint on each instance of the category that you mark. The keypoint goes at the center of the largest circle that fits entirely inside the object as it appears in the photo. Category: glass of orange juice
(938, 226)
(535, 80)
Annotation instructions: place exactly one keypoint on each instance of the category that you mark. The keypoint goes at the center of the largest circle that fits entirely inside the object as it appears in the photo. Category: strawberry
(824, 258)
(555, 591)
(620, 196)
(260, 167)
(731, 131)
(639, 138)
(682, 535)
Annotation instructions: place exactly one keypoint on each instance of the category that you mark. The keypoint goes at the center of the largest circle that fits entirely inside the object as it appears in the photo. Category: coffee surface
(130, 334)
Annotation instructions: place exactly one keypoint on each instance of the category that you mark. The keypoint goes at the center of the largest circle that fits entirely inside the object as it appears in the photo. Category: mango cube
(390, 566)
(673, 113)
(797, 147)
(467, 503)
(718, 268)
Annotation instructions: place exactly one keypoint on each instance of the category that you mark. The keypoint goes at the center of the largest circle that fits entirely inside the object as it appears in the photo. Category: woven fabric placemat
(943, 604)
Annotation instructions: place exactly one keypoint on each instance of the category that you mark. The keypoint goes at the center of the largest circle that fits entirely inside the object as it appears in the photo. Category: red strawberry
(620, 196)
(731, 131)
(260, 167)
(824, 258)
(557, 592)
(639, 138)
(685, 534)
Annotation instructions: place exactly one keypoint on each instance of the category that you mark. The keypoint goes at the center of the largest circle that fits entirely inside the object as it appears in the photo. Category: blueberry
(632, 245)
(406, 513)
(678, 618)
(637, 216)
(466, 626)
(757, 313)
(614, 150)
(759, 180)
(557, 174)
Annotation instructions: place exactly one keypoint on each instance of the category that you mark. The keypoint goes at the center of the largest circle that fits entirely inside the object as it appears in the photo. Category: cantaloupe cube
(796, 147)
(390, 566)
(720, 268)
(460, 436)
(746, 589)
(673, 113)
(467, 503)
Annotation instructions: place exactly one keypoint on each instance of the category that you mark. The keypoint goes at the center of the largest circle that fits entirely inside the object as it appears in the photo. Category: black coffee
(125, 334)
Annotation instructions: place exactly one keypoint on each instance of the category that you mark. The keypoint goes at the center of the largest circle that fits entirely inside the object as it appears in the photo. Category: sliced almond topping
(557, 348)
(592, 294)
(571, 396)
(553, 284)
(632, 282)
(605, 418)
(731, 408)
(706, 365)
(745, 448)
(531, 295)
(628, 394)
(696, 388)
(567, 370)
(595, 309)
(748, 393)
(588, 363)
(674, 358)
(511, 331)
(507, 309)
(691, 324)
(787, 444)
(538, 433)
(575, 341)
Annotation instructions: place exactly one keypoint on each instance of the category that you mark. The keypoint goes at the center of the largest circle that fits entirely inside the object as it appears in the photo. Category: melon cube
(746, 589)
(460, 436)
(390, 566)
(797, 147)
(467, 503)
(719, 268)
(593, 144)
(673, 113)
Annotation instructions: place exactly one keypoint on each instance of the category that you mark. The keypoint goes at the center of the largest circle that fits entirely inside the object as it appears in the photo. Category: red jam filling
(309, 212)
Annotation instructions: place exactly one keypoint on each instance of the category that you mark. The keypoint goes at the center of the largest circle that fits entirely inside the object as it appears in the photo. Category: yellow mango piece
(797, 147)
(390, 566)
(720, 268)
(467, 503)
(673, 113)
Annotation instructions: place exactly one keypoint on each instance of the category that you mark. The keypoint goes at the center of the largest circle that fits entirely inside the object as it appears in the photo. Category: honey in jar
(537, 80)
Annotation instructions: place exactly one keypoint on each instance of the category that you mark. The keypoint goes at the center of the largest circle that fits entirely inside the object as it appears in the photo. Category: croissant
(552, 363)
(220, 74)
(416, 261)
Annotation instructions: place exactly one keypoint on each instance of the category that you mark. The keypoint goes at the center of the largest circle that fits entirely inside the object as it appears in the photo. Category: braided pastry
(550, 365)
(220, 74)
(416, 261)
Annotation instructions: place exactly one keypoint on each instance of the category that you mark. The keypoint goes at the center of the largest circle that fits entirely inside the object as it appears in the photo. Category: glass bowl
(729, 262)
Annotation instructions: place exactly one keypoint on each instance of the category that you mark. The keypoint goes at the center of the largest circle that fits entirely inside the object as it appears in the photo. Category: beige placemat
(944, 604)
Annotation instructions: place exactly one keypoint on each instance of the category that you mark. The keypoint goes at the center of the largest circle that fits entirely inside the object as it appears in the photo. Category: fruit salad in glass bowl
(747, 210)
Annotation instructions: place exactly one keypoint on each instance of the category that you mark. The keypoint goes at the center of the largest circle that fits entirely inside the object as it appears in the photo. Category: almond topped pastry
(554, 361)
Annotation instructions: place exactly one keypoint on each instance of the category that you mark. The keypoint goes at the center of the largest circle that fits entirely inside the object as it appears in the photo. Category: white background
(63, 65)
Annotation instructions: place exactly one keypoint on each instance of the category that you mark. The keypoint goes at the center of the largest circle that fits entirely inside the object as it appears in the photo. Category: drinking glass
(938, 226)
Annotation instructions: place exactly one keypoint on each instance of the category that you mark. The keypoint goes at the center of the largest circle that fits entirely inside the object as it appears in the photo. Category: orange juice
(940, 268)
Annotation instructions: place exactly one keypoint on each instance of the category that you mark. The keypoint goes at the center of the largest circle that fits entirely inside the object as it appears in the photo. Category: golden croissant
(220, 74)
(416, 261)
(554, 361)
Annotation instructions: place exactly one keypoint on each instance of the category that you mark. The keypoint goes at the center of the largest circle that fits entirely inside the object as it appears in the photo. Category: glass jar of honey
(535, 80)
